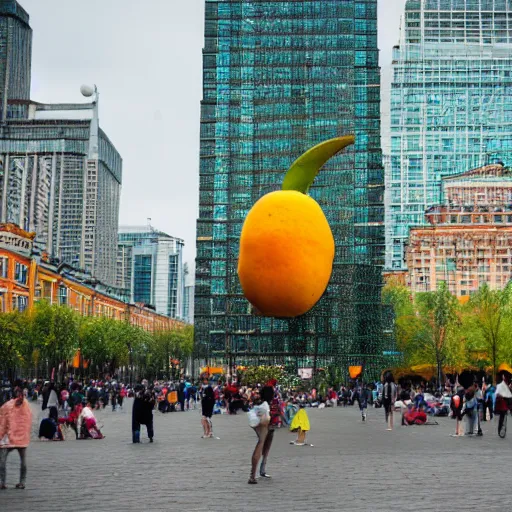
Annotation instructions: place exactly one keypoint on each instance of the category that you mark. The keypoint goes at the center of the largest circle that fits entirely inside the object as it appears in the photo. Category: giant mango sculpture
(286, 244)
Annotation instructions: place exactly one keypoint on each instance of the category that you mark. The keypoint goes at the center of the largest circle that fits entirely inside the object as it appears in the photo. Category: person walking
(181, 395)
(470, 410)
(93, 394)
(265, 433)
(122, 396)
(142, 413)
(503, 399)
(15, 427)
(456, 404)
(389, 394)
(488, 404)
(207, 404)
(113, 397)
(362, 400)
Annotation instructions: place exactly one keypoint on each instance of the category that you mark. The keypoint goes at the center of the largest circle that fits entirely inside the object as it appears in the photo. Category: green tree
(12, 342)
(93, 345)
(488, 324)
(427, 329)
(253, 375)
(170, 345)
(52, 334)
(399, 297)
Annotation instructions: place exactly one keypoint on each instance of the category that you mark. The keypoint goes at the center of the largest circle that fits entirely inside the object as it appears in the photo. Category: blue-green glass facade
(142, 267)
(451, 104)
(279, 77)
(150, 264)
(15, 59)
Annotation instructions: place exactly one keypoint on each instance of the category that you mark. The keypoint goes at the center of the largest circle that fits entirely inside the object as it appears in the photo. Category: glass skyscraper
(150, 265)
(451, 104)
(280, 77)
(60, 178)
(15, 58)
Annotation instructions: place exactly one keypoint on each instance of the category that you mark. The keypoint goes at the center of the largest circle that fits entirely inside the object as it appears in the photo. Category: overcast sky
(145, 57)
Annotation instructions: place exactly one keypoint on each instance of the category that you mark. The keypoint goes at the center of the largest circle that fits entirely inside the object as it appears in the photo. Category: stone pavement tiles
(352, 466)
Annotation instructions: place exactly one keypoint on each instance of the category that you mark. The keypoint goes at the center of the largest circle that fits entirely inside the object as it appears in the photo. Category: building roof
(487, 171)
(13, 8)
(145, 230)
(451, 5)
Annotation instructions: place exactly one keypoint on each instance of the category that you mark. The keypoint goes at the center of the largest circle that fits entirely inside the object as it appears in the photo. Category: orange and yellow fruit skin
(286, 254)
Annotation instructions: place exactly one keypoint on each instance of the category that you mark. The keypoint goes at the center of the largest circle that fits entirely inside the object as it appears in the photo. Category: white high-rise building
(188, 302)
(60, 176)
(150, 264)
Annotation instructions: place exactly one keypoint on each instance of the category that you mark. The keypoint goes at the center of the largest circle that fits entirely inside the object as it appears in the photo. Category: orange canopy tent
(355, 371)
(211, 370)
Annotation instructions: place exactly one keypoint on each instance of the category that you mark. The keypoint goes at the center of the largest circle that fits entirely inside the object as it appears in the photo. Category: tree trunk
(131, 367)
(494, 369)
(167, 363)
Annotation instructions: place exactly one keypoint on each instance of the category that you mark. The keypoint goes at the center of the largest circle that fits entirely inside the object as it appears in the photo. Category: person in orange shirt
(15, 428)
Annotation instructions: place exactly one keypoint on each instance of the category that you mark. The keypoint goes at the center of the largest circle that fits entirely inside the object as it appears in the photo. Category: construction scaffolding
(280, 77)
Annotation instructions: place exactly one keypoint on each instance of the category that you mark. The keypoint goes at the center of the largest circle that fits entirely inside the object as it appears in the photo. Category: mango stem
(302, 173)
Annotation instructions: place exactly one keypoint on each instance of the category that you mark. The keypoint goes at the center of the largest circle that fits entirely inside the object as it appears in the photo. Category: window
(142, 278)
(172, 308)
(4, 262)
(63, 295)
(19, 302)
(47, 290)
(20, 273)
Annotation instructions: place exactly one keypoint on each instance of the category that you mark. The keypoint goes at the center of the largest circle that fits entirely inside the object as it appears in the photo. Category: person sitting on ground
(414, 416)
(87, 424)
(332, 398)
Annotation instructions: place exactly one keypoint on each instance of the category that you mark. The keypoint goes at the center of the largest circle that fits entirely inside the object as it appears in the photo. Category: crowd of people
(73, 406)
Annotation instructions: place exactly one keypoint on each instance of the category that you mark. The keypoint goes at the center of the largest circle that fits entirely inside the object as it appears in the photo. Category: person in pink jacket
(15, 428)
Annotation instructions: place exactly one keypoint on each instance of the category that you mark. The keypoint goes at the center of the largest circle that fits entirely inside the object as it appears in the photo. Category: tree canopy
(434, 328)
(49, 337)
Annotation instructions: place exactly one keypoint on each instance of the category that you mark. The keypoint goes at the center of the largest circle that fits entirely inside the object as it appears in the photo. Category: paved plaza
(352, 466)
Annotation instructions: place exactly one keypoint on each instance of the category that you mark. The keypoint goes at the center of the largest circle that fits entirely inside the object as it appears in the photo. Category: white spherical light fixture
(87, 91)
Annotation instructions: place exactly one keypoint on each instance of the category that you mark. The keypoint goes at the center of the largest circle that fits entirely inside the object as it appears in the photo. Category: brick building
(26, 277)
(469, 238)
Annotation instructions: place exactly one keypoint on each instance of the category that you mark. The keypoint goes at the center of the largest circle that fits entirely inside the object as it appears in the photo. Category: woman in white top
(87, 426)
(503, 397)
